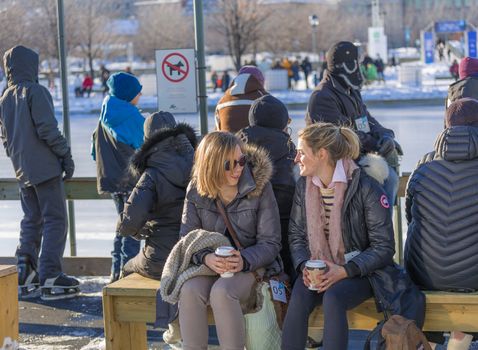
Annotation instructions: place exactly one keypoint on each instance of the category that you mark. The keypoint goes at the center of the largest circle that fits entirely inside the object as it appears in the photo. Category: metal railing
(84, 188)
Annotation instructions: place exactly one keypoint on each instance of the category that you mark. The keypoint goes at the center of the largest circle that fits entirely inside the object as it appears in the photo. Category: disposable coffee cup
(225, 252)
(315, 268)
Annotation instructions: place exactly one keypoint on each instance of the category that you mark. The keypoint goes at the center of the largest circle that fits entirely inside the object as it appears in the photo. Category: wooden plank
(133, 285)
(77, 266)
(78, 188)
(402, 184)
(9, 307)
(6, 270)
(137, 335)
(134, 309)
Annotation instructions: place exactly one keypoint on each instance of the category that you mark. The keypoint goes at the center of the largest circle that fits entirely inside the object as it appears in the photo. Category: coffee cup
(225, 252)
(315, 268)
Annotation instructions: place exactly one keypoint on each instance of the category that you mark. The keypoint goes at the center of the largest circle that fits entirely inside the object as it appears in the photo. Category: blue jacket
(118, 135)
(123, 121)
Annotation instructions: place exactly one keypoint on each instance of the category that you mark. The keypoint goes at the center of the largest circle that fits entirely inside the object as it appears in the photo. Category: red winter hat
(468, 67)
(462, 112)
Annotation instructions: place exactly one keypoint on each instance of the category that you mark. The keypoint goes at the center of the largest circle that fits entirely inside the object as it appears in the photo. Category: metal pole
(314, 41)
(199, 36)
(66, 116)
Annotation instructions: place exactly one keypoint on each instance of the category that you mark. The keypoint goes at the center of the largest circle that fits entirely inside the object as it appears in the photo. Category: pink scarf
(321, 248)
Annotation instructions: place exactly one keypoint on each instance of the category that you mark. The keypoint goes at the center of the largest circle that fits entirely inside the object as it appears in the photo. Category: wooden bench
(130, 303)
(8, 303)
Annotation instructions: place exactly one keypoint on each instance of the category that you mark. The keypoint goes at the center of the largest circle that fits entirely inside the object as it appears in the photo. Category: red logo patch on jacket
(384, 201)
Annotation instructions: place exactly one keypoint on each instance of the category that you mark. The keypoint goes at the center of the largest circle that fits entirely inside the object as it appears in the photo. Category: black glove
(398, 148)
(68, 166)
(386, 145)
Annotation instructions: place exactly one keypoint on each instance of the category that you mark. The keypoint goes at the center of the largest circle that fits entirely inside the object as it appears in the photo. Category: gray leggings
(225, 296)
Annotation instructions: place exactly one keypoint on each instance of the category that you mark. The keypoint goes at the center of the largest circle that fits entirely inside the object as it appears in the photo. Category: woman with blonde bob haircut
(340, 216)
(234, 177)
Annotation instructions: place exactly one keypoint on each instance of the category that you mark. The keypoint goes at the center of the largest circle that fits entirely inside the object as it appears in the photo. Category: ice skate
(60, 287)
(28, 282)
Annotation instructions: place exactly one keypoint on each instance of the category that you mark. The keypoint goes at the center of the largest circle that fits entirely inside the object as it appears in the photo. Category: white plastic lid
(224, 251)
(315, 264)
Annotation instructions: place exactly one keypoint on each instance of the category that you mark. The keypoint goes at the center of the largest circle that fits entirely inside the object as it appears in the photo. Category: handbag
(262, 330)
(280, 308)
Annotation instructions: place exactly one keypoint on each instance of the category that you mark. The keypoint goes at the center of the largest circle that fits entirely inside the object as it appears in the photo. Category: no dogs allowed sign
(176, 80)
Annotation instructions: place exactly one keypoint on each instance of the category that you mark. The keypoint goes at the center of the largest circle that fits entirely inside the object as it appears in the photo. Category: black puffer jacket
(153, 211)
(281, 151)
(441, 251)
(331, 102)
(367, 227)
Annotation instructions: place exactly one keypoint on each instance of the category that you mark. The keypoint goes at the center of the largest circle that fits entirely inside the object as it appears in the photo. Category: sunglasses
(241, 162)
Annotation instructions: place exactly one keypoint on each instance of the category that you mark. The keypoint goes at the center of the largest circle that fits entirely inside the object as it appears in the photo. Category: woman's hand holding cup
(333, 274)
(215, 263)
(221, 261)
(235, 263)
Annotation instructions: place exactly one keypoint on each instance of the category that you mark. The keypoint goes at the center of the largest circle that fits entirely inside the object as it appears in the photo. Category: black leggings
(342, 296)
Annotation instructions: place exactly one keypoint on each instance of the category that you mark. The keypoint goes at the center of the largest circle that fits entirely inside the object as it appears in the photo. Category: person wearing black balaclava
(337, 100)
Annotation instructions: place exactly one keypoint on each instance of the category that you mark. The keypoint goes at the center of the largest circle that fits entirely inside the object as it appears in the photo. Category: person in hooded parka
(153, 210)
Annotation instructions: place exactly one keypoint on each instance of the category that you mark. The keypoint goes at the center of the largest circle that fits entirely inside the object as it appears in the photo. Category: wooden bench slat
(6, 270)
(133, 285)
(131, 302)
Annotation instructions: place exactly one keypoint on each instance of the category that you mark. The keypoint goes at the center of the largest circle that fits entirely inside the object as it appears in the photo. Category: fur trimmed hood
(170, 152)
(257, 173)
(139, 161)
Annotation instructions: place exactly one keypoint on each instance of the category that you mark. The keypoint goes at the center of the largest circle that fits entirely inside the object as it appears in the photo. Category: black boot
(28, 282)
(60, 287)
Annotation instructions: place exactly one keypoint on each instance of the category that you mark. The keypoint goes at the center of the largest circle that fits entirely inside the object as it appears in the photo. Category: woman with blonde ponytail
(340, 216)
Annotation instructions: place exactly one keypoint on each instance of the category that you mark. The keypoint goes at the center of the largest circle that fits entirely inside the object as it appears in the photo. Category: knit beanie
(462, 112)
(124, 86)
(156, 121)
(269, 112)
(468, 66)
(253, 70)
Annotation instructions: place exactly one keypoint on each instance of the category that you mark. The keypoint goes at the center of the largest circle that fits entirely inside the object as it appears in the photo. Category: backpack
(398, 333)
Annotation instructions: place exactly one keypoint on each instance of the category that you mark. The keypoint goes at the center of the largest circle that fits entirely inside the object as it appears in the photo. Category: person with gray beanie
(153, 210)
(268, 119)
(441, 250)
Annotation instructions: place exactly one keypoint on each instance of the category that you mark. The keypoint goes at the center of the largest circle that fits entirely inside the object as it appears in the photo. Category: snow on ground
(431, 89)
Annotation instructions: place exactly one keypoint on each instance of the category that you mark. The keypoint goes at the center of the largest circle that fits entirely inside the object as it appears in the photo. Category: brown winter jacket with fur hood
(232, 110)
(253, 214)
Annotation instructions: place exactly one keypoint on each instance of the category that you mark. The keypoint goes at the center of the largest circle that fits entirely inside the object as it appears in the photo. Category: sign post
(176, 80)
(428, 47)
(470, 44)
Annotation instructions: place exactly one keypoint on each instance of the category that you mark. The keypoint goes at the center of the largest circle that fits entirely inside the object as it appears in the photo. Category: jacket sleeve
(323, 107)
(137, 208)
(190, 219)
(298, 242)
(376, 129)
(268, 237)
(43, 116)
(380, 230)
(412, 182)
(3, 137)
(409, 193)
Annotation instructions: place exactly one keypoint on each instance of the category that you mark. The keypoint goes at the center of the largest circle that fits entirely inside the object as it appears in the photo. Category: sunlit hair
(341, 142)
(213, 151)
